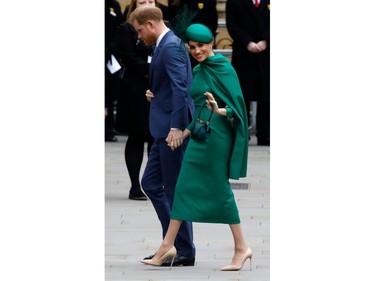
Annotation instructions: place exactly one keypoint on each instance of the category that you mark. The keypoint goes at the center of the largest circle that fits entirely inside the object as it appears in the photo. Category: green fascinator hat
(199, 33)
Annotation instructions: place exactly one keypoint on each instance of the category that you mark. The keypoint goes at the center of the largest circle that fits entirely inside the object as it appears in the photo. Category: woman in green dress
(203, 192)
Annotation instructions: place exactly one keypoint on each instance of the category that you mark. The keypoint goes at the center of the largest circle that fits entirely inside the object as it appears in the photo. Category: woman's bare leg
(170, 237)
(240, 246)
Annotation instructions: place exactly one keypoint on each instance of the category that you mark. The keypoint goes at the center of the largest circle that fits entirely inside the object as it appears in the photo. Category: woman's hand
(212, 105)
(174, 143)
(211, 102)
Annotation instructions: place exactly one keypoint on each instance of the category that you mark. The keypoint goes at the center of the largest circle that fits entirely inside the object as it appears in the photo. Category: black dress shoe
(137, 195)
(180, 261)
(149, 257)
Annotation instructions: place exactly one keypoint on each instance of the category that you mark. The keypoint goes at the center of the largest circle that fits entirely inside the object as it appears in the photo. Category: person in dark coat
(248, 23)
(132, 115)
(113, 18)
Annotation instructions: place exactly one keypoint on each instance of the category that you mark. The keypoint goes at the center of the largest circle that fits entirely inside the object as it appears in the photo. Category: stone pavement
(132, 230)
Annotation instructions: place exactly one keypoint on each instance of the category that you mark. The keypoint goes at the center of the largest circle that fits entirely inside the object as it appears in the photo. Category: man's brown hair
(144, 13)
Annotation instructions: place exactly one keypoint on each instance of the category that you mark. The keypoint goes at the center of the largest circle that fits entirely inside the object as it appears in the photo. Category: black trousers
(112, 86)
(263, 121)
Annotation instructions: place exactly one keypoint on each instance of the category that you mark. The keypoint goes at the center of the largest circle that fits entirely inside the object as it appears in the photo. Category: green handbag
(201, 130)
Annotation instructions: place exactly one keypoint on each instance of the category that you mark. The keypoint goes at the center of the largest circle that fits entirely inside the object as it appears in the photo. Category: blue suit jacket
(170, 80)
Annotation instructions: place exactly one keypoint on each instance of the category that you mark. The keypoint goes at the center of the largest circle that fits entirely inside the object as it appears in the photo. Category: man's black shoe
(180, 261)
(137, 195)
(149, 257)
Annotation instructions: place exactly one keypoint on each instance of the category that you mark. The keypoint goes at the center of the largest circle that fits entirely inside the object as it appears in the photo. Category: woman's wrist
(221, 111)
(186, 133)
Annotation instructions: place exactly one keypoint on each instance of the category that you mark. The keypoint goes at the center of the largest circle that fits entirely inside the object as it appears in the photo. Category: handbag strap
(200, 110)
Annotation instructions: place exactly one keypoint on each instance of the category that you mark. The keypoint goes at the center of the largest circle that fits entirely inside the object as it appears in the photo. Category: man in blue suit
(171, 110)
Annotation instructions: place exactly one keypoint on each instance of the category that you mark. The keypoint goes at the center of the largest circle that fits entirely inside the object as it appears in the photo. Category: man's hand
(149, 95)
(174, 138)
(257, 47)
(262, 45)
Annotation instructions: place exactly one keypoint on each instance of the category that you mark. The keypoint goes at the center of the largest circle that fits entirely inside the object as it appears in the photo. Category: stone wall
(223, 40)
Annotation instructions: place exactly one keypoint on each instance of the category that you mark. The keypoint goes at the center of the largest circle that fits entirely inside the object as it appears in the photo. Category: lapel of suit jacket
(161, 44)
(249, 4)
(156, 53)
(251, 7)
(263, 5)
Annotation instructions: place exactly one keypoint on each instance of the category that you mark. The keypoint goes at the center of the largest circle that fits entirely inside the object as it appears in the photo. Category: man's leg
(152, 184)
(171, 164)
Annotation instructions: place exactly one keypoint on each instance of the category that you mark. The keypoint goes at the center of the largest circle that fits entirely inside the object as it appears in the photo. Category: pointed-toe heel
(248, 255)
(171, 253)
(172, 261)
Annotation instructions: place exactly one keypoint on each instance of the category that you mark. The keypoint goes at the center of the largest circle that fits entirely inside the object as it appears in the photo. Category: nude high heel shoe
(172, 252)
(248, 255)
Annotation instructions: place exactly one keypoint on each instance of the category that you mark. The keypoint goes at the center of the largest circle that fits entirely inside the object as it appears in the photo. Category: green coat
(203, 192)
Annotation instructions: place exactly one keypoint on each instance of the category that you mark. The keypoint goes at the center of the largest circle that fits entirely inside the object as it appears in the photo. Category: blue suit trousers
(158, 182)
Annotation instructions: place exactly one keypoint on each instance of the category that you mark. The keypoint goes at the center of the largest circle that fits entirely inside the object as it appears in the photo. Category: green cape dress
(203, 192)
